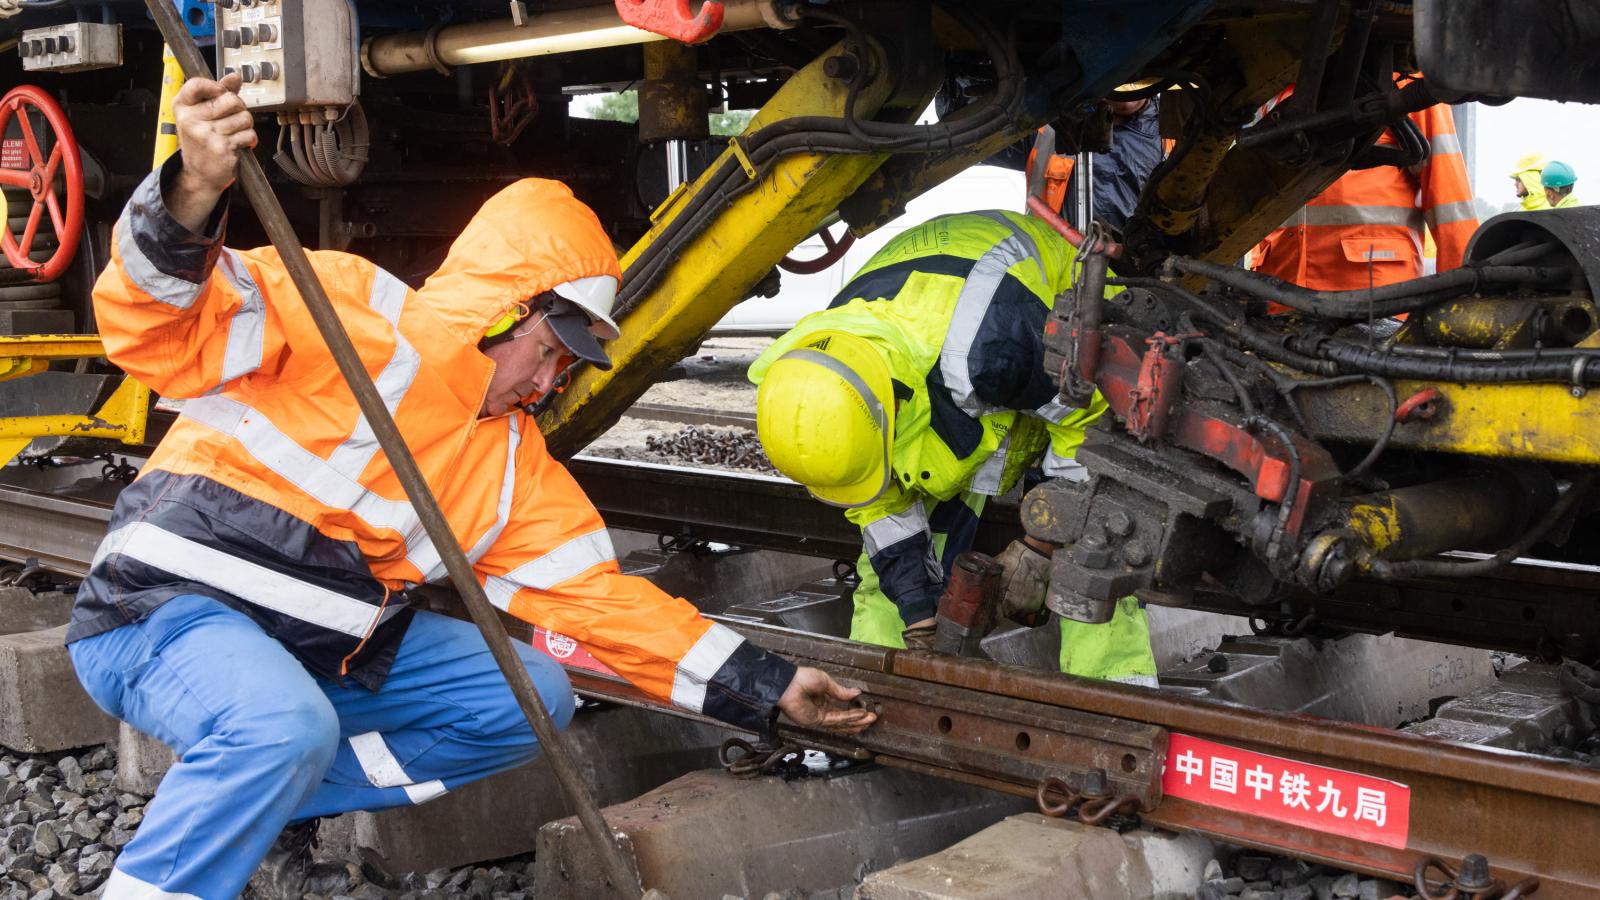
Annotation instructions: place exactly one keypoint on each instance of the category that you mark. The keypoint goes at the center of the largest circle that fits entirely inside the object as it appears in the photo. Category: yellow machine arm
(121, 417)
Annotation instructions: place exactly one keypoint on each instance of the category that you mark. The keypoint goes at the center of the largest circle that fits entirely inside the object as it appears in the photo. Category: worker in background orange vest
(1367, 227)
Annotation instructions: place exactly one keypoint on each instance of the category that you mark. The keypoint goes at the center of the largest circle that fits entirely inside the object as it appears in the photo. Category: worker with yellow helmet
(1525, 181)
(918, 394)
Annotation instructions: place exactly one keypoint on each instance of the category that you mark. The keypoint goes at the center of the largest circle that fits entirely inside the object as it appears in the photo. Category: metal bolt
(1217, 663)
(1136, 553)
(843, 67)
(1474, 874)
(1119, 523)
(1091, 552)
(1095, 784)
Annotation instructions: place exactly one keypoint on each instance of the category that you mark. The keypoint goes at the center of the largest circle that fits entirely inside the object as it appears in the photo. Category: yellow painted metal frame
(121, 417)
(1543, 422)
(719, 267)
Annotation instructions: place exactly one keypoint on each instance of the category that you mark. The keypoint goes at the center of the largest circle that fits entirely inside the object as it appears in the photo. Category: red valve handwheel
(37, 175)
(835, 251)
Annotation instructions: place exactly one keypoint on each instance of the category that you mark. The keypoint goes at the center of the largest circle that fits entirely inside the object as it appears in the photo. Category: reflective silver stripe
(698, 666)
(988, 478)
(874, 405)
(884, 533)
(1407, 216)
(500, 592)
(1296, 220)
(383, 769)
(1440, 144)
(426, 556)
(169, 289)
(971, 306)
(389, 299)
(1021, 235)
(155, 546)
(1445, 213)
(122, 886)
(300, 467)
(1149, 681)
(1058, 466)
(565, 562)
(1054, 411)
(247, 329)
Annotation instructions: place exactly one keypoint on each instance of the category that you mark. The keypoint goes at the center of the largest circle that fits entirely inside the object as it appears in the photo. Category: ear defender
(517, 314)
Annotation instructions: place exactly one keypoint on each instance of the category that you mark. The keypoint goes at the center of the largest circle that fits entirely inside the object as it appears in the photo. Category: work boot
(283, 873)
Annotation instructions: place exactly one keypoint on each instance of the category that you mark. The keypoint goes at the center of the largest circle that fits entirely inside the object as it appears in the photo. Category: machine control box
(293, 55)
(73, 47)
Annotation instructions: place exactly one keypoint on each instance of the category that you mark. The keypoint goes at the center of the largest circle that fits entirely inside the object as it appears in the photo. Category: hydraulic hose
(1576, 367)
(1379, 302)
(821, 134)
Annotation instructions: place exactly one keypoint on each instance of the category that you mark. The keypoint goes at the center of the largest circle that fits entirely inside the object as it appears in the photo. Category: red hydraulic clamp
(671, 18)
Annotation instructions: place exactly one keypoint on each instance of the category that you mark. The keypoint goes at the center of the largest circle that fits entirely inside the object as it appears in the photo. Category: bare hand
(213, 126)
(814, 700)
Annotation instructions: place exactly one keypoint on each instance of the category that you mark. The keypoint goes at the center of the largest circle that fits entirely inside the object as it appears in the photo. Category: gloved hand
(920, 636)
(1025, 576)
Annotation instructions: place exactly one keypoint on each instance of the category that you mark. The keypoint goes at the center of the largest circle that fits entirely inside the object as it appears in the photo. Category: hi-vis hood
(525, 240)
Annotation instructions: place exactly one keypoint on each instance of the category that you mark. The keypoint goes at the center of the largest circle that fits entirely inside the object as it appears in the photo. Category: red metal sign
(568, 652)
(1286, 790)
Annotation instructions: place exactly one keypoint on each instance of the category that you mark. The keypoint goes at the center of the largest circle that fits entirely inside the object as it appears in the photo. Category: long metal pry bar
(254, 181)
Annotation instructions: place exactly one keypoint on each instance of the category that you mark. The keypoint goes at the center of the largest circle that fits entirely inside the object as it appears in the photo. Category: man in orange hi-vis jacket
(248, 603)
(1367, 227)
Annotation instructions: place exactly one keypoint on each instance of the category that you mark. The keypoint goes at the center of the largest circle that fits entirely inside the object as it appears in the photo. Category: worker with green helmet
(919, 394)
(1559, 179)
(1525, 181)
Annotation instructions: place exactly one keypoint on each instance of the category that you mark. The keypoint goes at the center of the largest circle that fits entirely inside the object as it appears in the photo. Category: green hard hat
(1558, 174)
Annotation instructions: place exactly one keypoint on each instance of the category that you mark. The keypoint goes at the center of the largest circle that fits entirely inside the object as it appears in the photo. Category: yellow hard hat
(1533, 162)
(825, 415)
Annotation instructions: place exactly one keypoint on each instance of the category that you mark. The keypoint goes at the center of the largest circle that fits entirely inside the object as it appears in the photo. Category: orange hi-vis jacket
(1367, 227)
(271, 494)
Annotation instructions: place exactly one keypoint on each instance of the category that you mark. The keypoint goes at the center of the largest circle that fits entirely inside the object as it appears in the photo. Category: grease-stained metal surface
(1545, 422)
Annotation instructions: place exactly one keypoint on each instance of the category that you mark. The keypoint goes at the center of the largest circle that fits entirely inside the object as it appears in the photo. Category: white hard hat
(595, 295)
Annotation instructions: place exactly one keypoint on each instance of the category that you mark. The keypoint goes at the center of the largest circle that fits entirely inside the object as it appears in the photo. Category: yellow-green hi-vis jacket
(957, 307)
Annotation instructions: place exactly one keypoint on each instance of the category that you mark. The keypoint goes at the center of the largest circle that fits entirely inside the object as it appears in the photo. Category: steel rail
(1529, 815)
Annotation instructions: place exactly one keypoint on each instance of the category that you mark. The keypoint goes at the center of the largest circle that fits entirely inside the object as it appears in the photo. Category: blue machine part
(201, 18)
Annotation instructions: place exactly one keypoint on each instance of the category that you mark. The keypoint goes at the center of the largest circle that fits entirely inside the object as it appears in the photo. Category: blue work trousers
(262, 742)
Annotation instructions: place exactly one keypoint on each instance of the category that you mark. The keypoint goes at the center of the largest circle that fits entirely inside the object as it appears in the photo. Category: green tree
(732, 122)
(623, 107)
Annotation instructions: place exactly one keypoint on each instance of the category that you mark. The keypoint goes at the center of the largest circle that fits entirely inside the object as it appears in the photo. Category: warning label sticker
(1286, 790)
(13, 154)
